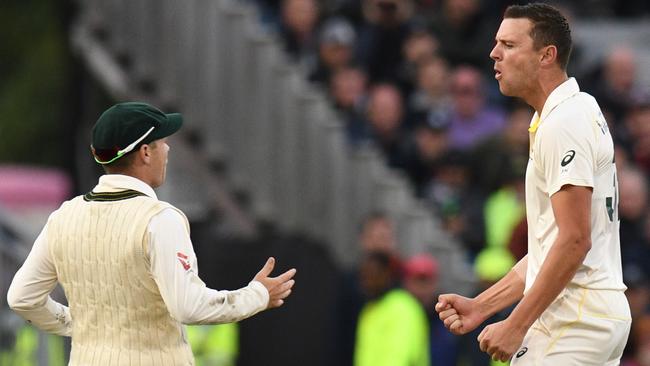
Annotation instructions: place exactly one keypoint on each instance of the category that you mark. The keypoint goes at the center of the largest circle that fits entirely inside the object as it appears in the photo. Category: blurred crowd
(413, 77)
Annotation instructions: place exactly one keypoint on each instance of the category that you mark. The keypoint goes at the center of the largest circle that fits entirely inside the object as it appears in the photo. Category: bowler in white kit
(572, 308)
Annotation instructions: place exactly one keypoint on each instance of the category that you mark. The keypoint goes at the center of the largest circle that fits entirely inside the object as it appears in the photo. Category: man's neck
(135, 173)
(545, 87)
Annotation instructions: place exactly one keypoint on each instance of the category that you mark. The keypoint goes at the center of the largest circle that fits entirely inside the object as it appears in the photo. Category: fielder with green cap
(125, 259)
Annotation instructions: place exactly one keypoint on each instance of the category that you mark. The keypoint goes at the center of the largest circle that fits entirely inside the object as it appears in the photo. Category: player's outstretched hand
(460, 314)
(279, 287)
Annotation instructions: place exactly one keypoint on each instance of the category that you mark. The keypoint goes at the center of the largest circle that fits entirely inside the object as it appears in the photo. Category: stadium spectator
(425, 152)
(472, 119)
(335, 49)
(614, 82)
(382, 38)
(299, 19)
(392, 328)
(638, 127)
(385, 117)
(419, 47)
(430, 99)
(348, 91)
(459, 24)
(421, 280)
(376, 234)
(633, 203)
(457, 201)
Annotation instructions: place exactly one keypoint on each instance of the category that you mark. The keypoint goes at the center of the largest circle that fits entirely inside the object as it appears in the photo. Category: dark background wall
(300, 333)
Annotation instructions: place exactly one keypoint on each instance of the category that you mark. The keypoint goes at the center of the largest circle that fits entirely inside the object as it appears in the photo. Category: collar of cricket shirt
(120, 182)
(561, 93)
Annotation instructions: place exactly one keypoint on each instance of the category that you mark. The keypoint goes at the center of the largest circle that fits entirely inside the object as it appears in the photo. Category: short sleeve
(567, 152)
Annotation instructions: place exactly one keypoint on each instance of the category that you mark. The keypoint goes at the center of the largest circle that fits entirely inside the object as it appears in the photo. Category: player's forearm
(559, 267)
(203, 305)
(51, 316)
(504, 293)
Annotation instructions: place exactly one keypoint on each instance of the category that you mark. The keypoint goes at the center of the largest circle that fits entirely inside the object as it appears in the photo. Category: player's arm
(572, 210)
(188, 299)
(506, 291)
(462, 315)
(29, 293)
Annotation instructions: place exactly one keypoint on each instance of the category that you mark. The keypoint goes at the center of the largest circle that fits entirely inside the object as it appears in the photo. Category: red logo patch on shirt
(183, 259)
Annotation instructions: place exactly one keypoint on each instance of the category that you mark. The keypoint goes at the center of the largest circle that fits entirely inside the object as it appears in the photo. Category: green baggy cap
(124, 126)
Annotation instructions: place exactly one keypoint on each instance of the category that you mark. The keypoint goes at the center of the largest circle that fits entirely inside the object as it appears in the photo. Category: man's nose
(494, 54)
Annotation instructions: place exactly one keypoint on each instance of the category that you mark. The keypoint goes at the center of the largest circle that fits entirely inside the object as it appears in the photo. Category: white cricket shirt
(572, 145)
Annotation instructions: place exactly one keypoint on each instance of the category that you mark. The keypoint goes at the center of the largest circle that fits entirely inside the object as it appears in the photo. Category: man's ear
(144, 153)
(548, 56)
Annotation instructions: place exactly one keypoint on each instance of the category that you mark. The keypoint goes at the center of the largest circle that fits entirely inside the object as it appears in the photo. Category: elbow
(20, 300)
(580, 244)
(15, 300)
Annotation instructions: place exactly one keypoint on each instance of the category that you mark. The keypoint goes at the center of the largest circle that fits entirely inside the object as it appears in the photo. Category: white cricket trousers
(582, 327)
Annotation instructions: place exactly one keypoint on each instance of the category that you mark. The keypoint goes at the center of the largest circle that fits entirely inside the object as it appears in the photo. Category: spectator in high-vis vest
(392, 329)
(125, 259)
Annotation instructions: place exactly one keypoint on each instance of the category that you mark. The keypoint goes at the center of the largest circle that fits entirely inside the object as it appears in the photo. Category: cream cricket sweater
(98, 245)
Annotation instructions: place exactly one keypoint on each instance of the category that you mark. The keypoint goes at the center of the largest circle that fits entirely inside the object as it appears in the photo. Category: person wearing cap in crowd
(335, 49)
(421, 280)
(125, 258)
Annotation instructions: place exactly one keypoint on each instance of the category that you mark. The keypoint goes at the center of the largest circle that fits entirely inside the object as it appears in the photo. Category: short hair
(550, 27)
(120, 164)
(123, 163)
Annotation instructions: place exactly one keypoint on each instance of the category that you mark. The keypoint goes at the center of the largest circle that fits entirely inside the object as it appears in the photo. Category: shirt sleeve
(188, 299)
(29, 293)
(567, 151)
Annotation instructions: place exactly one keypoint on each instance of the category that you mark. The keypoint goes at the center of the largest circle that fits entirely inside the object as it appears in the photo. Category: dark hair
(550, 27)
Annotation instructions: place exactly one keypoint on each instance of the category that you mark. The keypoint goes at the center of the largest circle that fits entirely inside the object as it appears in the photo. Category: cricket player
(125, 259)
(572, 309)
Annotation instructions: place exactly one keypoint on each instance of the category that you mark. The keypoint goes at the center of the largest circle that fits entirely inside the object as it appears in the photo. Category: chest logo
(568, 157)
